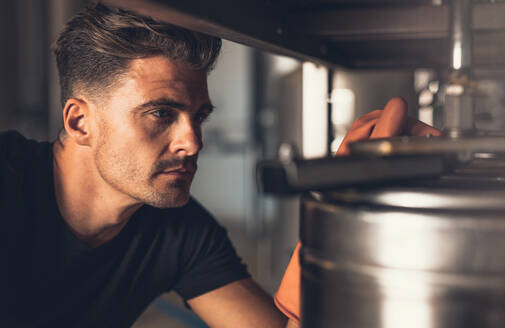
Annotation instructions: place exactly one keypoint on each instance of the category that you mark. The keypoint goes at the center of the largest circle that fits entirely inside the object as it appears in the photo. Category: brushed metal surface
(407, 145)
(435, 260)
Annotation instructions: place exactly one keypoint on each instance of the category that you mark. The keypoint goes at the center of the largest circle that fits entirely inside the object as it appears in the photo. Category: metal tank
(424, 253)
(414, 254)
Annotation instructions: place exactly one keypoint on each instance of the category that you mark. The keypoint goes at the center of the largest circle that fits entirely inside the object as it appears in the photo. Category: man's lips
(180, 171)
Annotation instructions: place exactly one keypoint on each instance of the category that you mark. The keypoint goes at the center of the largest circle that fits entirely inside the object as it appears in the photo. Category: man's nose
(186, 138)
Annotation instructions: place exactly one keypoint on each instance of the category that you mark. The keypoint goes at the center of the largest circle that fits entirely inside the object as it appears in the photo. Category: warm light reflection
(456, 55)
(426, 115)
(415, 200)
(314, 110)
(406, 246)
(397, 313)
(454, 90)
(343, 103)
(406, 242)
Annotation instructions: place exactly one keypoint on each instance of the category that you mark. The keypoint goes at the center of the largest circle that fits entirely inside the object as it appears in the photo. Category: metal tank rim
(419, 198)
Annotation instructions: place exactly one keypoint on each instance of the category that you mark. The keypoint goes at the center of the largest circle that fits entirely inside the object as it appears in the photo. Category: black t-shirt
(49, 278)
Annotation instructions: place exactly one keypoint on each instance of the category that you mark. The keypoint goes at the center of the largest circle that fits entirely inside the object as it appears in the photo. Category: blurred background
(261, 99)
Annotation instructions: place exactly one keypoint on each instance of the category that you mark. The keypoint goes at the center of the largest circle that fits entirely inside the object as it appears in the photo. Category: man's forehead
(160, 69)
(158, 77)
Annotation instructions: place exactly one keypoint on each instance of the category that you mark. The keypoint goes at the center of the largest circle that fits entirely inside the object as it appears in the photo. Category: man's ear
(76, 120)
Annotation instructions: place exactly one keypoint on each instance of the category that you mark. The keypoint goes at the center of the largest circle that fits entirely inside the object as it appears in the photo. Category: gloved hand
(389, 122)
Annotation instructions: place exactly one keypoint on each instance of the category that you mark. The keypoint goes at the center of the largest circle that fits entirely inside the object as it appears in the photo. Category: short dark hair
(97, 44)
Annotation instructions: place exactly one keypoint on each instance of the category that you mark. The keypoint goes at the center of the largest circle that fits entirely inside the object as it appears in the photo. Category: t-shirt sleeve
(13, 162)
(6, 170)
(207, 258)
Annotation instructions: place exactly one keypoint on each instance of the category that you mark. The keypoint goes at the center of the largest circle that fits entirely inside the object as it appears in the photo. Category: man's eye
(201, 117)
(162, 113)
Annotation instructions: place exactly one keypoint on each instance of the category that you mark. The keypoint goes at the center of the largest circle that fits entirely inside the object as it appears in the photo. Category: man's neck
(92, 209)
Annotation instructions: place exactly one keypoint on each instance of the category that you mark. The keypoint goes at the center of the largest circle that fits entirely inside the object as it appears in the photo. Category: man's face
(149, 131)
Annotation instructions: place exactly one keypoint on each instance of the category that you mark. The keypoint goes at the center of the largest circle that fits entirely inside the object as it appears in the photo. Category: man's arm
(238, 304)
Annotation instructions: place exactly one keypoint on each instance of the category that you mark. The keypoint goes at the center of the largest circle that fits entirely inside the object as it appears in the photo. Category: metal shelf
(353, 34)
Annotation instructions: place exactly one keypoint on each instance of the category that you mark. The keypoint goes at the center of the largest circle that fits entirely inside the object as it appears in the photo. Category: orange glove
(392, 121)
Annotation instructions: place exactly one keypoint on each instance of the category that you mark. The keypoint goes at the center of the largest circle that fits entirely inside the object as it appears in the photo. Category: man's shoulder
(11, 138)
(23, 168)
(16, 149)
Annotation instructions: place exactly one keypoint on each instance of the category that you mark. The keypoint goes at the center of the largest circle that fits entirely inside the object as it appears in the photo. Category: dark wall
(28, 83)
(8, 54)
(23, 62)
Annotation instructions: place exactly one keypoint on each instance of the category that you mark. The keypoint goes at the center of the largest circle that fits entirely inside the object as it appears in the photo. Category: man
(99, 223)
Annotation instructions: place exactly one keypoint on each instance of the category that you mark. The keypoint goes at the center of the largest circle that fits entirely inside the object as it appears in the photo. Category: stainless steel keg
(415, 254)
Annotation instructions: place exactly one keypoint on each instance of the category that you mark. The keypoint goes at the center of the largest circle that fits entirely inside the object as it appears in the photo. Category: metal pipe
(458, 111)
(461, 35)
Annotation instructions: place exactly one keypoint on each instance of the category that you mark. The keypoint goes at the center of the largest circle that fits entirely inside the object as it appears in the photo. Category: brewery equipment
(418, 252)
(407, 231)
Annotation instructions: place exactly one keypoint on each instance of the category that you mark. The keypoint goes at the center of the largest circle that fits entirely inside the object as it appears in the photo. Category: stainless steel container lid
(454, 226)
(476, 186)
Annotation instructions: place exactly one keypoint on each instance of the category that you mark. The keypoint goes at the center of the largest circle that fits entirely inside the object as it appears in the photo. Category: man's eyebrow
(159, 103)
(171, 103)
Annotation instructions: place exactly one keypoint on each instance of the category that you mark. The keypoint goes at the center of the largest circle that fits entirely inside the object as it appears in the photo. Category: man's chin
(170, 201)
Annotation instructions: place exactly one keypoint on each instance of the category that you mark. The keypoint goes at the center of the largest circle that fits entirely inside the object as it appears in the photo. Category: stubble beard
(177, 195)
(124, 175)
